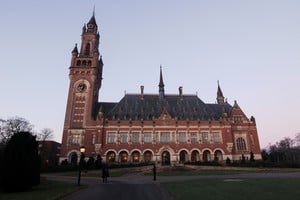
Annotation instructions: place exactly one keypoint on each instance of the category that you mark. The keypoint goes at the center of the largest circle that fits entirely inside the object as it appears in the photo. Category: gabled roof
(148, 107)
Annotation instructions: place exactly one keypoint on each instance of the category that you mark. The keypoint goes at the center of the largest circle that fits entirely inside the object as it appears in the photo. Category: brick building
(165, 128)
(49, 152)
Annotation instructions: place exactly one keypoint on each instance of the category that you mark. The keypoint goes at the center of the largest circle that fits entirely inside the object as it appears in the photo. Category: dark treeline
(284, 152)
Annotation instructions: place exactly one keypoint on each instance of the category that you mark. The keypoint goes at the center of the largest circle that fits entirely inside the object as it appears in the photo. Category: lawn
(235, 189)
(47, 190)
(94, 173)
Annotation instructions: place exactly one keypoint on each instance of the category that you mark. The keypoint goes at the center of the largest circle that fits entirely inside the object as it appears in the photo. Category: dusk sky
(251, 47)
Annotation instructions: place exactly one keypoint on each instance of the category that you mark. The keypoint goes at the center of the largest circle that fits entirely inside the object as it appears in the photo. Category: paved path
(130, 187)
(138, 187)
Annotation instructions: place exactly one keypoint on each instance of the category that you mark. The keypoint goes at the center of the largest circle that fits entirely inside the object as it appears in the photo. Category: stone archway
(73, 158)
(218, 156)
(195, 156)
(183, 156)
(123, 156)
(135, 156)
(148, 156)
(165, 158)
(111, 156)
(206, 156)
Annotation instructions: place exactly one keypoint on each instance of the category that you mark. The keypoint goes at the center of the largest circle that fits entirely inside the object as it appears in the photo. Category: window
(216, 137)
(135, 137)
(194, 138)
(182, 137)
(147, 137)
(241, 144)
(93, 139)
(123, 137)
(205, 138)
(165, 137)
(111, 138)
(87, 49)
(237, 118)
(75, 139)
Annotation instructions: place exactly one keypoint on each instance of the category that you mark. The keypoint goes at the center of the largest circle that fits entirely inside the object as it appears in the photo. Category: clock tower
(85, 82)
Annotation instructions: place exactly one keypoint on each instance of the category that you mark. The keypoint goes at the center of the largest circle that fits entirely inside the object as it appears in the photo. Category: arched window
(87, 49)
(240, 144)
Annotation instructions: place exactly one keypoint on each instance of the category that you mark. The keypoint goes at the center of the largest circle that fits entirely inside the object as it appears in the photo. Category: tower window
(89, 63)
(87, 49)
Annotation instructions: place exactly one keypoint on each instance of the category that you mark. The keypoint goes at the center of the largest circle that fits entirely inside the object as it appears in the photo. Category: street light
(81, 161)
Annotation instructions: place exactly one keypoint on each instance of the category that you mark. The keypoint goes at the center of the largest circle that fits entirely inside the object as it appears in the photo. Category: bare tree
(13, 125)
(297, 139)
(45, 134)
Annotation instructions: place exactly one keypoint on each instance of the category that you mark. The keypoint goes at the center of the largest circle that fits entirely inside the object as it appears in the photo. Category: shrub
(21, 163)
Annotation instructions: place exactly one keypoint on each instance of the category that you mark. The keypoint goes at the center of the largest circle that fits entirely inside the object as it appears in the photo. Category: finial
(94, 10)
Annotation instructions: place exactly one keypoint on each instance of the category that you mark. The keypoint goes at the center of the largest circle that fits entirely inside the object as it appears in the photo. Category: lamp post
(81, 161)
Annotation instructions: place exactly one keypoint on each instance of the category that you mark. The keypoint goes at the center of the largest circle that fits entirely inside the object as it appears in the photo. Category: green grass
(235, 189)
(199, 172)
(47, 190)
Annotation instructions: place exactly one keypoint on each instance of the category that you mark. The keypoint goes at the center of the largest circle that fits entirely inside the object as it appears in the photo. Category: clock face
(81, 87)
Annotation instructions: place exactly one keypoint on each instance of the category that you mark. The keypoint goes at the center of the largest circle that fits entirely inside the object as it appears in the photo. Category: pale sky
(251, 47)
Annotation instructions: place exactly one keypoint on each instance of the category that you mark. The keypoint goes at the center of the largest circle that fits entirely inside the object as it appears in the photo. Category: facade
(163, 128)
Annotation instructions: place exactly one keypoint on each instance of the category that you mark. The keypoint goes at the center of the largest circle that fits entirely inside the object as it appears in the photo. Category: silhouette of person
(154, 172)
(105, 173)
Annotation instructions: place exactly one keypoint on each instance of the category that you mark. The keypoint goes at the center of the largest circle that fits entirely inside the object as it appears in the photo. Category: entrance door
(165, 158)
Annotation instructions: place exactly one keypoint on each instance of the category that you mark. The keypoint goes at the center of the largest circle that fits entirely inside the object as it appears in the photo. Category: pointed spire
(220, 97)
(92, 25)
(92, 21)
(75, 50)
(161, 85)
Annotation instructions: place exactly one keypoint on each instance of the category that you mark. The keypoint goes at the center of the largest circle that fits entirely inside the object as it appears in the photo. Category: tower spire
(94, 11)
(161, 85)
(220, 97)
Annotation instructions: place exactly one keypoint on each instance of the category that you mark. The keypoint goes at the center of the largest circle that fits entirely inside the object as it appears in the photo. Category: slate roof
(185, 107)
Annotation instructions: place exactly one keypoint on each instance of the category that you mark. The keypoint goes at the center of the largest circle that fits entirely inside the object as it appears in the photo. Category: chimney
(142, 92)
(180, 91)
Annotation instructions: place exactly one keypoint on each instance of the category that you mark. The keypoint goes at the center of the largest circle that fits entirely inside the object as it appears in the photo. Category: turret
(220, 97)
(161, 85)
